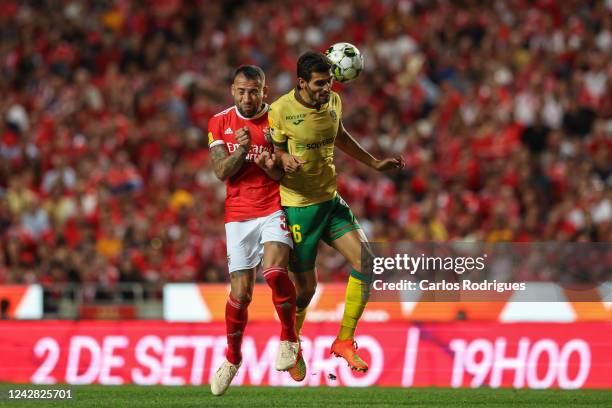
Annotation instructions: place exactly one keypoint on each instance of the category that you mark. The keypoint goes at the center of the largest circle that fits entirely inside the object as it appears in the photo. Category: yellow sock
(300, 316)
(356, 298)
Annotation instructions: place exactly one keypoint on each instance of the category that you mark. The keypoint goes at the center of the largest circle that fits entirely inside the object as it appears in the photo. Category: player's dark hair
(310, 62)
(251, 72)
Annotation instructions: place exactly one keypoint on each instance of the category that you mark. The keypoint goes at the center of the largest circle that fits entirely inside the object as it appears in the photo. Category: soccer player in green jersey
(306, 125)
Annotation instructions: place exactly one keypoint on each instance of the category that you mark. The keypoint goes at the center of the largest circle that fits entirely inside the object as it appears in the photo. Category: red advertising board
(461, 354)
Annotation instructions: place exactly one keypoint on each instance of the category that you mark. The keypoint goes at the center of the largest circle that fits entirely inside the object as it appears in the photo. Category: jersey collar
(260, 114)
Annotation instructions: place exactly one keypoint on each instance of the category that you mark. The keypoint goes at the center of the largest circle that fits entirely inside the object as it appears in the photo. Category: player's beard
(250, 114)
(317, 98)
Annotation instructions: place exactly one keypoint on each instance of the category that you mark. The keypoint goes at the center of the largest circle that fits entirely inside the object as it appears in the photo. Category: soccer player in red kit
(256, 228)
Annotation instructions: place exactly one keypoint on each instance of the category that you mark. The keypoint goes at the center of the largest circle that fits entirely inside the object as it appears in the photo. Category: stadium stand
(503, 112)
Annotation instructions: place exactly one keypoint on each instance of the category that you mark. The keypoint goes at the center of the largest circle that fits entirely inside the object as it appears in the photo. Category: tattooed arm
(225, 164)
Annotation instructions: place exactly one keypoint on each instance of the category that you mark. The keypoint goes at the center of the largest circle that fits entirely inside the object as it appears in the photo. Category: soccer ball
(347, 60)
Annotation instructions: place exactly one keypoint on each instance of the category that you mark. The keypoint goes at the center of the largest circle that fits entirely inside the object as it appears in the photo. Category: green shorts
(325, 221)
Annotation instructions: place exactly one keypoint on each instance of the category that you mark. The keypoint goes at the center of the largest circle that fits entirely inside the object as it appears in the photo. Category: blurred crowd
(501, 109)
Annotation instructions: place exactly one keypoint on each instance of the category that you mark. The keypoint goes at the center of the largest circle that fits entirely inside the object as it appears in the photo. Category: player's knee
(241, 287)
(301, 302)
(244, 298)
(305, 295)
(242, 294)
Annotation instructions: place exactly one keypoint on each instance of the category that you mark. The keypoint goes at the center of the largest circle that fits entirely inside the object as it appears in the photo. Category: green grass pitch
(132, 396)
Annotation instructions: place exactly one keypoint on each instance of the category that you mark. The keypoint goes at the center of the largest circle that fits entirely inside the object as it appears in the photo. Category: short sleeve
(279, 137)
(215, 137)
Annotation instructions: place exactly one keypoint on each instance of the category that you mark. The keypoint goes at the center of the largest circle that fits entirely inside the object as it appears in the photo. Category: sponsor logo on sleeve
(333, 114)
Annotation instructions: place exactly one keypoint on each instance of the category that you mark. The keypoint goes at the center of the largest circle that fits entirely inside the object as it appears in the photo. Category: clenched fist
(243, 137)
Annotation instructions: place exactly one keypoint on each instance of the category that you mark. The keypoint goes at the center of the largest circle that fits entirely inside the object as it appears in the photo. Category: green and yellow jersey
(308, 134)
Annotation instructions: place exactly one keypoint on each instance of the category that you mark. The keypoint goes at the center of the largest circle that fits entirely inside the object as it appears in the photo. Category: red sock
(236, 316)
(283, 296)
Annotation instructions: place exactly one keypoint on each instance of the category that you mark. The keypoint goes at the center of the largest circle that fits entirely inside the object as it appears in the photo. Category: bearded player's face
(248, 95)
(319, 87)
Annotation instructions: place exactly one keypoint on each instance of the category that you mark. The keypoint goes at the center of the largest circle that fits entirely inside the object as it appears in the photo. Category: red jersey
(250, 192)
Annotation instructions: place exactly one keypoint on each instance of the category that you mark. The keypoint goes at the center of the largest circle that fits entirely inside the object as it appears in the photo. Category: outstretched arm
(346, 143)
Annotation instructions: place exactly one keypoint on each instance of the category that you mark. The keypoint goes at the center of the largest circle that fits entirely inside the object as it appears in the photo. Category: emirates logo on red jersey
(255, 151)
